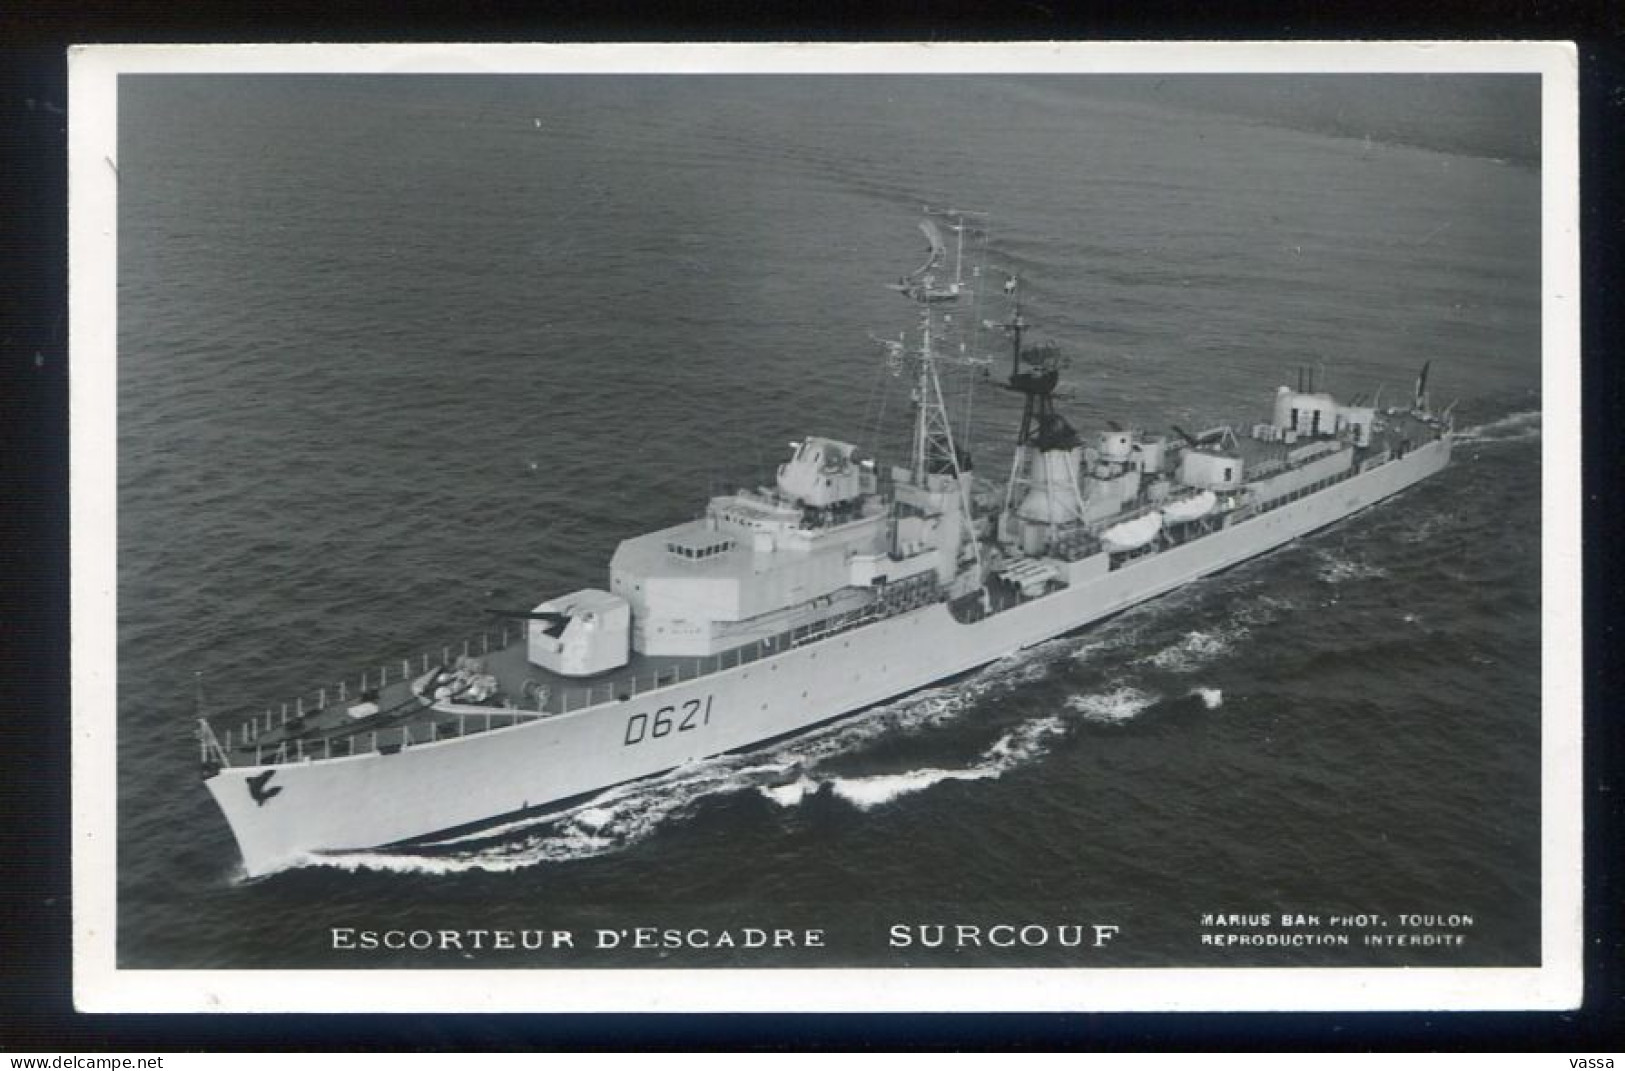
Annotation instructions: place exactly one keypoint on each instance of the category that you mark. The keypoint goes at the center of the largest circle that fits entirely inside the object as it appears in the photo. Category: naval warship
(843, 583)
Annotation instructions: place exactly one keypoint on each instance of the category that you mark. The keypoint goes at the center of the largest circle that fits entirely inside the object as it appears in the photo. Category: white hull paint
(372, 799)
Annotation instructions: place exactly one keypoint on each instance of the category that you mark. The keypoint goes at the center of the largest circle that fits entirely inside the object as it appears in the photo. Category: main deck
(393, 708)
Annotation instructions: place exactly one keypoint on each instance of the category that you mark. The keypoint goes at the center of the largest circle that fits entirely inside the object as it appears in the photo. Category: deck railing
(360, 741)
(245, 728)
(256, 737)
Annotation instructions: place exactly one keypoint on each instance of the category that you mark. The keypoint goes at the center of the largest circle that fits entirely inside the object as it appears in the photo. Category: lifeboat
(1189, 509)
(1131, 535)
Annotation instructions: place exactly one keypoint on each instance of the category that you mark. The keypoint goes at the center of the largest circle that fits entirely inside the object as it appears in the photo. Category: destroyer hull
(374, 799)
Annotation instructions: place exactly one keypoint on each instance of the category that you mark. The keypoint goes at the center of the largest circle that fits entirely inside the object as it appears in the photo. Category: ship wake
(1515, 427)
(1196, 648)
(1015, 748)
(1028, 742)
(1118, 705)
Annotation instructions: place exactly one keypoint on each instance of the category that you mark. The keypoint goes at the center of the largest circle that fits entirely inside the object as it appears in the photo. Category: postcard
(825, 527)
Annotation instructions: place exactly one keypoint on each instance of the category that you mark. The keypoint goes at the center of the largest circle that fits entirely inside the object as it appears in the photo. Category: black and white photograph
(1024, 528)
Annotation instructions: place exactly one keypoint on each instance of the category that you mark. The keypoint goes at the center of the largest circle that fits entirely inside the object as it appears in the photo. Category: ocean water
(394, 351)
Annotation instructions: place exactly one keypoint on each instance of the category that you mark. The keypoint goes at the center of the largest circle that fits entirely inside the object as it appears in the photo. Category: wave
(1515, 427)
(1246, 610)
(1118, 705)
(1109, 641)
(1025, 743)
(1336, 569)
(792, 794)
(1196, 649)
(867, 793)
(1212, 698)
(1015, 748)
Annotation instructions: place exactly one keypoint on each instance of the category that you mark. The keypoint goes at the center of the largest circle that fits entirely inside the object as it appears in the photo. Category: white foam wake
(1196, 649)
(867, 793)
(1114, 638)
(1515, 427)
(791, 794)
(1118, 705)
(1015, 748)
(1030, 740)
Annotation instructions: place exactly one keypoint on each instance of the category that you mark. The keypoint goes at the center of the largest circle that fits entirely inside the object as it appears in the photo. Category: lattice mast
(1042, 428)
(935, 452)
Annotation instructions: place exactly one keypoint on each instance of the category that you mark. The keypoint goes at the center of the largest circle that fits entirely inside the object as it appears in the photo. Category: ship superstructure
(842, 583)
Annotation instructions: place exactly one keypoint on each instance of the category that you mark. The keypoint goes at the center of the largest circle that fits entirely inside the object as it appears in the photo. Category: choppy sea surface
(395, 350)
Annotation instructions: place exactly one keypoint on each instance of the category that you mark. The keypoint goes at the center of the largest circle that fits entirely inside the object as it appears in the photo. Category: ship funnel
(1052, 488)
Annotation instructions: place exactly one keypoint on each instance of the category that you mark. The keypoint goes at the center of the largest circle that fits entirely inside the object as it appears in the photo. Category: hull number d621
(686, 717)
